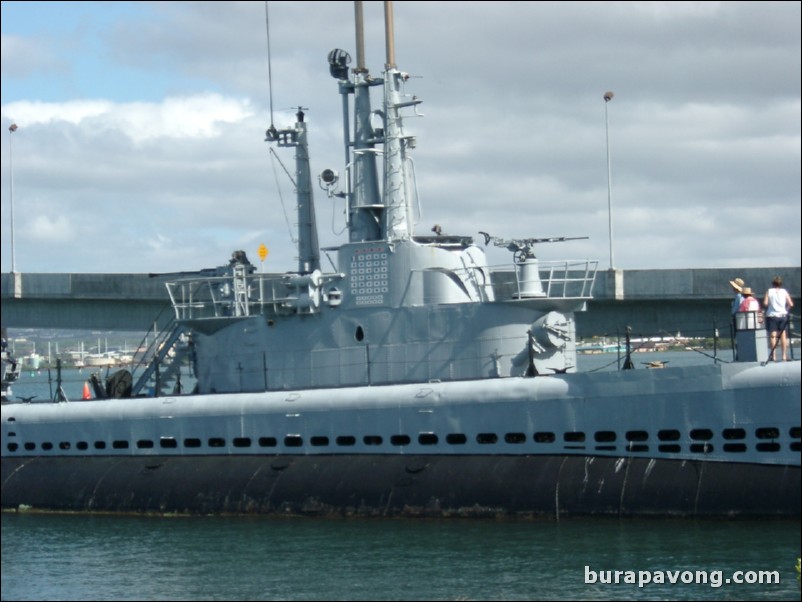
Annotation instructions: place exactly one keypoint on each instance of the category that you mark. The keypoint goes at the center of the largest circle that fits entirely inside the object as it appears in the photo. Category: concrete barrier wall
(692, 301)
(709, 283)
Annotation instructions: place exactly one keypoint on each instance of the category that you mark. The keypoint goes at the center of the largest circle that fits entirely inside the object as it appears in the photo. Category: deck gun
(526, 263)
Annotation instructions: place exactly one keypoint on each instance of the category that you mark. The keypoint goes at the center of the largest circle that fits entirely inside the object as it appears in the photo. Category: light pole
(608, 96)
(11, 129)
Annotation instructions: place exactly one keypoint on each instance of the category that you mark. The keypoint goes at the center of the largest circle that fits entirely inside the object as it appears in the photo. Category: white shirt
(778, 302)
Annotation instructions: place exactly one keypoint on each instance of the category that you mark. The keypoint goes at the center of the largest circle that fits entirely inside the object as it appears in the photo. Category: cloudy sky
(140, 141)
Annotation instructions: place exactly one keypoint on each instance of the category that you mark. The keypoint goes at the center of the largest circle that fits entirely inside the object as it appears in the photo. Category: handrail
(215, 296)
(562, 279)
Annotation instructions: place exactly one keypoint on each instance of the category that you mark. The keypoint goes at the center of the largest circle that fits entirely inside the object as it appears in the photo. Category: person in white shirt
(778, 303)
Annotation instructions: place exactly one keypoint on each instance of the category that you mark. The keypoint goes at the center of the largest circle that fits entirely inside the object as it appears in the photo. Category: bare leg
(773, 346)
(784, 343)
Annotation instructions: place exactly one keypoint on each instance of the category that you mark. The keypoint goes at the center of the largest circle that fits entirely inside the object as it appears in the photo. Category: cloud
(198, 116)
(50, 229)
(169, 168)
(24, 57)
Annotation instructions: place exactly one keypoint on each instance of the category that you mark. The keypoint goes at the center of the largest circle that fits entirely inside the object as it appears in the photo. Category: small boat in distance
(411, 379)
(32, 361)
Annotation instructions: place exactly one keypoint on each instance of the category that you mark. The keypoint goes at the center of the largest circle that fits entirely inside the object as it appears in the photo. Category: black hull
(395, 485)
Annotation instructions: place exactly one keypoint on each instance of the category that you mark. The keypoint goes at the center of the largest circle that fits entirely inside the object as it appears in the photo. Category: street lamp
(11, 129)
(608, 96)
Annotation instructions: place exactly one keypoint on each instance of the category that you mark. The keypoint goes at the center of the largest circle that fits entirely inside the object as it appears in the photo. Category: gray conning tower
(399, 307)
(385, 263)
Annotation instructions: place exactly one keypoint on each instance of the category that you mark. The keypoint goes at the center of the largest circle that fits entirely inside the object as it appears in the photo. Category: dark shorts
(775, 324)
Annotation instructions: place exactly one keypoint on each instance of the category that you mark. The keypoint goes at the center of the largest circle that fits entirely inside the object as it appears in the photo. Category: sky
(140, 129)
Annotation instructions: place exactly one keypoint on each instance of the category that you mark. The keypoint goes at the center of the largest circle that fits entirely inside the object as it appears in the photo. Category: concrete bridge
(651, 302)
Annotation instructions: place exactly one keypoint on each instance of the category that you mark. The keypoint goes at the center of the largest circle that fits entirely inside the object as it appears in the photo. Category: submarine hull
(401, 485)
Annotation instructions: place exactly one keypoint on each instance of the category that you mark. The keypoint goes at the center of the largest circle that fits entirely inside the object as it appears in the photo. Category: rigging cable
(273, 158)
(272, 129)
(269, 67)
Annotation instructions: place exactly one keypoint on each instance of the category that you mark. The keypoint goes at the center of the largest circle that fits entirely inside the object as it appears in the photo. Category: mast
(373, 215)
(308, 247)
(366, 211)
(397, 198)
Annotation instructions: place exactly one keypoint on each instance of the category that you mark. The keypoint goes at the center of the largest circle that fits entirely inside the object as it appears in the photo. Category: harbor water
(103, 557)
(86, 557)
